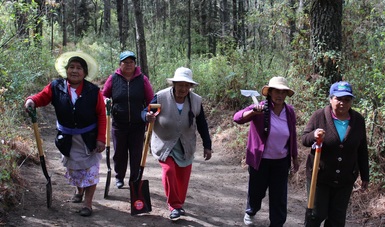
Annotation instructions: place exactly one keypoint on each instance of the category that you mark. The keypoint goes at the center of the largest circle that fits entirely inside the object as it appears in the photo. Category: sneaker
(119, 184)
(181, 211)
(175, 215)
(249, 220)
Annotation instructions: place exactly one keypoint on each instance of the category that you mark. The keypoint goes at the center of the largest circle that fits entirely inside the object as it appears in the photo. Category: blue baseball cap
(127, 54)
(341, 88)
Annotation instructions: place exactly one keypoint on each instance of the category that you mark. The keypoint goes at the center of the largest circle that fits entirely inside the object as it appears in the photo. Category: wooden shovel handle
(32, 113)
(314, 176)
(148, 134)
(108, 116)
(38, 140)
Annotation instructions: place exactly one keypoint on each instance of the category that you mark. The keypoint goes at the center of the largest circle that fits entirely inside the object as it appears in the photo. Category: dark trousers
(128, 142)
(330, 204)
(272, 175)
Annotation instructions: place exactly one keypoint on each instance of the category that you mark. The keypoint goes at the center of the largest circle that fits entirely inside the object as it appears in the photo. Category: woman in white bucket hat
(173, 141)
(271, 146)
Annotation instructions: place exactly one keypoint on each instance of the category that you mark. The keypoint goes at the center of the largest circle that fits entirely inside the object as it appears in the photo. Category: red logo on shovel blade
(138, 204)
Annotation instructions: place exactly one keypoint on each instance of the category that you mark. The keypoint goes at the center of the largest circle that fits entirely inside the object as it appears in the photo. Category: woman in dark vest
(81, 122)
(130, 91)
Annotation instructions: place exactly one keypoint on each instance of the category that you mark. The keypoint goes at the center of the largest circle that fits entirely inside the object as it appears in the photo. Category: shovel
(139, 189)
(108, 180)
(251, 93)
(32, 113)
(309, 217)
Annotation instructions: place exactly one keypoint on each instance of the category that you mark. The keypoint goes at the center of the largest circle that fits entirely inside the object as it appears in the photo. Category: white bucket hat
(279, 83)
(182, 74)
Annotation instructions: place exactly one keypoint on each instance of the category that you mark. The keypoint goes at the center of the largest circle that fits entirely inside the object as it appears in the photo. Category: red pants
(175, 181)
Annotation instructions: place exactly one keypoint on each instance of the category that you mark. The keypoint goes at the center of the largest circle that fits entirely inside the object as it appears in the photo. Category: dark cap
(127, 54)
(341, 88)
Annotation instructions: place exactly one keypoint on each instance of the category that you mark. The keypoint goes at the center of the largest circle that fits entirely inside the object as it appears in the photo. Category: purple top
(276, 145)
(257, 139)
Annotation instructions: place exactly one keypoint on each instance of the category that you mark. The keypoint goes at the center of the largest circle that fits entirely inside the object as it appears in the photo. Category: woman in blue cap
(130, 91)
(344, 155)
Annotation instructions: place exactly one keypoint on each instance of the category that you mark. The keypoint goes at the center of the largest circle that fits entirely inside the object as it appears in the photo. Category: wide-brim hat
(279, 83)
(62, 61)
(182, 74)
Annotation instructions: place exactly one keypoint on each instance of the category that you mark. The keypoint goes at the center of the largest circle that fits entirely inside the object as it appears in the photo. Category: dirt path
(216, 195)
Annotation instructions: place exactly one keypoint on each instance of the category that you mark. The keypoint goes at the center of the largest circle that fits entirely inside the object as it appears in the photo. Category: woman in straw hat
(81, 122)
(173, 141)
(271, 145)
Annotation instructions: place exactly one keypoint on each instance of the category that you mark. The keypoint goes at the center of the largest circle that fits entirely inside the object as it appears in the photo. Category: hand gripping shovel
(108, 180)
(139, 189)
(32, 113)
(309, 218)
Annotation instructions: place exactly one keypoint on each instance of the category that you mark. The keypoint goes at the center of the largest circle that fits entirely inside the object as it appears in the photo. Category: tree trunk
(235, 22)
(225, 18)
(125, 25)
(189, 33)
(326, 28)
(241, 26)
(292, 20)
(21, 23)
(38, 29)
(64, 22)
(107, 15)
(119, 12)
(141, 41)
(211, 27)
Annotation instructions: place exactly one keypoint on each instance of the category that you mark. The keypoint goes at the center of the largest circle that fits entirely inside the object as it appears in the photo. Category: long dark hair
(266, 115)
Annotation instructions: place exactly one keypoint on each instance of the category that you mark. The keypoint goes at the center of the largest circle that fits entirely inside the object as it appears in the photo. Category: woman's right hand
(258, 108)
(29, 104)
(319, 133)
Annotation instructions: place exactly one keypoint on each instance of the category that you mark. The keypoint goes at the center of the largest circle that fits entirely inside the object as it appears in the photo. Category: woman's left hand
(207, 154)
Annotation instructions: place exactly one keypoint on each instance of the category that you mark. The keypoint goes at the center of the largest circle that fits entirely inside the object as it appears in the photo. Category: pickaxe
(251, 93)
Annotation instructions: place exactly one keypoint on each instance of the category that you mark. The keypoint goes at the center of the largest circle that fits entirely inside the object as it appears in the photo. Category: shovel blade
(309, 218)
(140, 197)
(108, 180)
(48, 187)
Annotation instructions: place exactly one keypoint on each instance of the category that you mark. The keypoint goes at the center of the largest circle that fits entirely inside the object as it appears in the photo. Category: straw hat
(182, 74)
(62, 61)
(279, 83)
